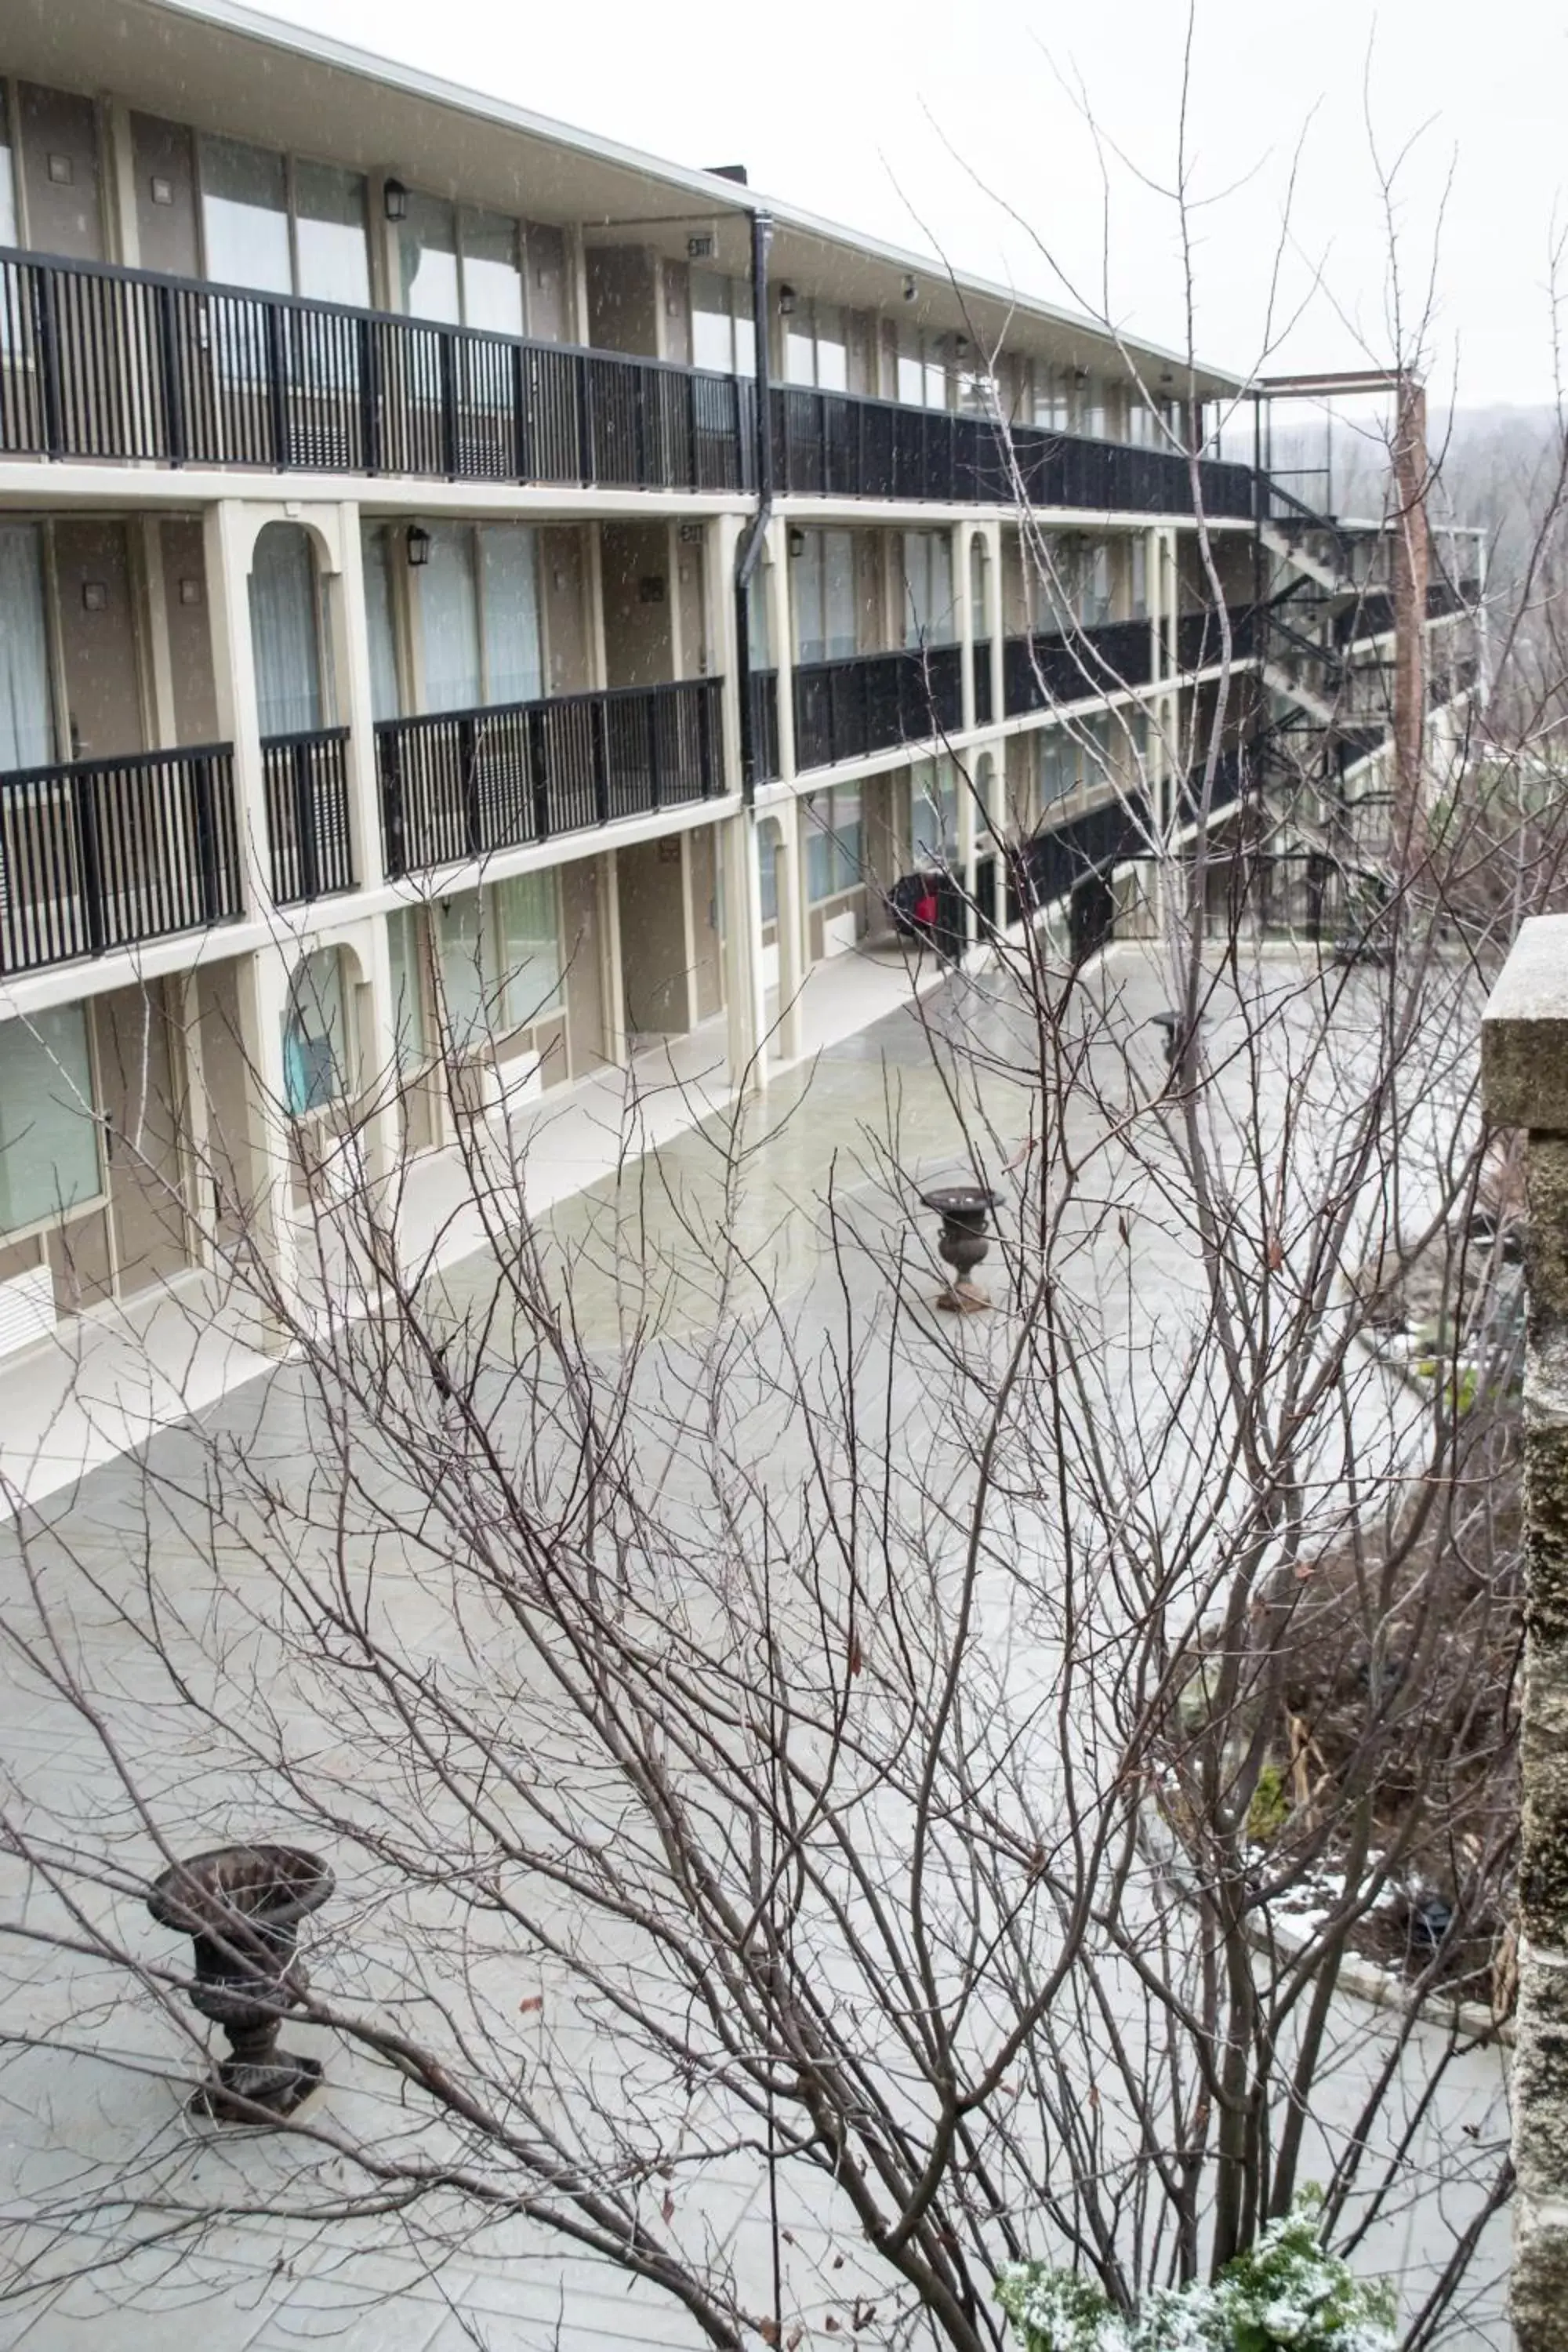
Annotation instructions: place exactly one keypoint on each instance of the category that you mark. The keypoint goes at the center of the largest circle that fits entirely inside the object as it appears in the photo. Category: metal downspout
(749, 552)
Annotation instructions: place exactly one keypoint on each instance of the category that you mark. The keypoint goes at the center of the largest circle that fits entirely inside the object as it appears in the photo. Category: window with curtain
(1096, 588)
(403, 943)
(1091, 412)
(381, 546)
(7, 180)
(1138, 577)
(49, 1134)
(1052, 408)
(823, 582)
(977, 622)
(450, 619)
(491, 271)
(528, 946)
(930, 617)
(26, 698)
(721, 332)
(833, 843)
(331, 255)
(461, 963)
(832, 347)
(244, 215)
(285, 623)
(299, 234)
(427, 260)
(934, 811)
(767, 872)
(316, 1065)
(509, 577)
(759, 645)
(1058, 770)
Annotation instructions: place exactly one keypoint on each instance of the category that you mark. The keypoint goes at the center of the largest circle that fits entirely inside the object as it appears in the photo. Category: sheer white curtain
(285, 631)
(26, 710)
(380, 546)
(450, 619)
(514, 671)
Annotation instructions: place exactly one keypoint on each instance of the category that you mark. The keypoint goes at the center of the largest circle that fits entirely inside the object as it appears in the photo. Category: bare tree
(828, 1797)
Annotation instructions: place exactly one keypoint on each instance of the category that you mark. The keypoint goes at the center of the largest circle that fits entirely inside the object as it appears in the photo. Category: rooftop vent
(736, 172)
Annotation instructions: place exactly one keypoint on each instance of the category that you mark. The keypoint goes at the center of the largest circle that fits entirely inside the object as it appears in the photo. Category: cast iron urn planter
(964, 1209)
(241, 1905)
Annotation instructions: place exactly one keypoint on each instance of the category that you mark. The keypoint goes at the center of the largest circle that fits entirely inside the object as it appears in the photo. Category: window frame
(55, 1220)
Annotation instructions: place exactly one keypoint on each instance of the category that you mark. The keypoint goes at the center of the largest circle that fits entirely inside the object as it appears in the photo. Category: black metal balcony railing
(1051, 864)
(460, 784)
(874, 702)
(308, 839)
(101, 853)
(840, 445)
(1052, 667)
(1200, 643)
(1232, 775)
(97, 362)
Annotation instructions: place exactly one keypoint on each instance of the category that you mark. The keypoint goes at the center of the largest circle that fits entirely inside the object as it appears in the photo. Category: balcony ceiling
(221, 68)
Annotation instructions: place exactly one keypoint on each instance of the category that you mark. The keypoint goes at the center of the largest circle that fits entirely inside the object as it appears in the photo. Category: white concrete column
(379, 1076)
(745, 1000)
(229, 534)
(269, 1216)
(195, 1128)
(995, 618)
(351, 660)
(791, 895)
(612, 978)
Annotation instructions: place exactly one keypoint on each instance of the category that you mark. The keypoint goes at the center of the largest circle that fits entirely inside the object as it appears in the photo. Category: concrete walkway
(107, 1381)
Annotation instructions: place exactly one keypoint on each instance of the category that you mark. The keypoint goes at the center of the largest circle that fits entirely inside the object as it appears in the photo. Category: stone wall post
(1524, 1070)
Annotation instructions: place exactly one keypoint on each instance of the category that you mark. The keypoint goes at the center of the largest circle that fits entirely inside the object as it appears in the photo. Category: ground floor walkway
(105, 1382)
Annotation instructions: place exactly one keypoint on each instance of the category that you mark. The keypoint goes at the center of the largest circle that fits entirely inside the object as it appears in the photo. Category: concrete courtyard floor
(847, 1135)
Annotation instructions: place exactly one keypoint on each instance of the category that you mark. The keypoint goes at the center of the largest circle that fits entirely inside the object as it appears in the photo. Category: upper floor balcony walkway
(127, 366)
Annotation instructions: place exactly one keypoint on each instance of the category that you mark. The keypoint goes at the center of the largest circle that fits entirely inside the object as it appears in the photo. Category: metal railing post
(47, 330)
(90, 857)
(300, 777)
(654, 771)
(173, 382)
(277, 387)
(599, 730)
(203, 794)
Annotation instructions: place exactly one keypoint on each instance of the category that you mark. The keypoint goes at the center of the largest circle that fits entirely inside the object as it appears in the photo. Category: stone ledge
(1525, 1031)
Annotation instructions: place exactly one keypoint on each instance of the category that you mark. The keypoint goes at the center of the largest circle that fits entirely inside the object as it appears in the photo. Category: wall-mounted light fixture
(1080, 376)
(190, 591)
(418, 544)
(786, 301)
(160, 190)
(960, 347)
(909, 287)
(95, 595)
(395, 200)
(797, 540)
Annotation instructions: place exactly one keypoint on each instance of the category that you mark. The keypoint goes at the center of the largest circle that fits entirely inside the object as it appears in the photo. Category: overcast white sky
(859, 109)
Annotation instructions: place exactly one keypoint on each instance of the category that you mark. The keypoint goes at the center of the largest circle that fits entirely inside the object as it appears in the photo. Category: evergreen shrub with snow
(1286, 2294)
